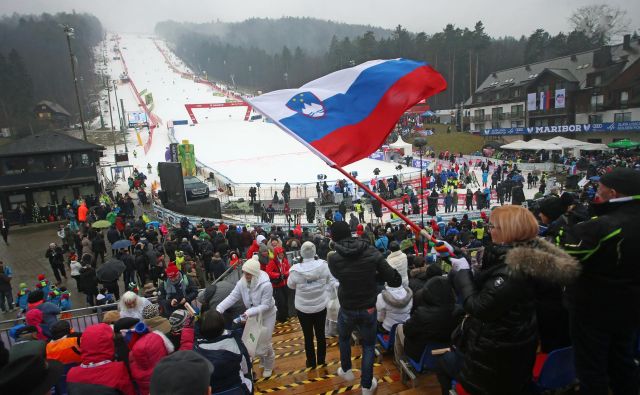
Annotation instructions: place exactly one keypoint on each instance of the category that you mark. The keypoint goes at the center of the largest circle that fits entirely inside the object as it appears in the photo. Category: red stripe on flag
(351, 143)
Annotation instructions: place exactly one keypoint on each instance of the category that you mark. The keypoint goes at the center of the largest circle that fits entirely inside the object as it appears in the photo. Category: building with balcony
(52, 115)
(592, 95)
(44, 170)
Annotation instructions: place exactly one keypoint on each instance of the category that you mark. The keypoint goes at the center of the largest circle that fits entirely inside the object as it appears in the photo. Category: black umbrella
(110, 271)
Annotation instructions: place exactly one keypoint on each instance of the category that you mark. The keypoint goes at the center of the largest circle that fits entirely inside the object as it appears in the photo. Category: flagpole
(403, 217)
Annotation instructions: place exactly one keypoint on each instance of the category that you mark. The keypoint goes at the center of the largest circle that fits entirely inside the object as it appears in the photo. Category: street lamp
(68, 31)
(113, 130)
(421, 142)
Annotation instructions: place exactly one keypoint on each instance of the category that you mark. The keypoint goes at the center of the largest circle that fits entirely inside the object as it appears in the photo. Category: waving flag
(346, 115)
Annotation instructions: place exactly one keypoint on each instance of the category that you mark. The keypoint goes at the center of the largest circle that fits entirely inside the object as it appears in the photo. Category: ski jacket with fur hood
(394, 306)
(499, 335)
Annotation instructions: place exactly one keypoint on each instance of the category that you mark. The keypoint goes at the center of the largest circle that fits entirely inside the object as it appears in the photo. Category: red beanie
(172, 270)
(40, 277)
(359, 230)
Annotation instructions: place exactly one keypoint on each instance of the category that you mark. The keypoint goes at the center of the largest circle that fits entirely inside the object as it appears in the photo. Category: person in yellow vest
(65, 344)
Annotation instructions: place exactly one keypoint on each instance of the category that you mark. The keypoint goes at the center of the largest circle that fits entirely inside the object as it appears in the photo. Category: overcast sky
(500, 17)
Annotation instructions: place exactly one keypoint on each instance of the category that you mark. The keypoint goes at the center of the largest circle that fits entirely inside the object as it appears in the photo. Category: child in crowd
(21, 299)
(43, 284)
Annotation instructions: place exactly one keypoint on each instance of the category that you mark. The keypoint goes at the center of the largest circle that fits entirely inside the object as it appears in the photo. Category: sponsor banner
(187, 159)
(560, 98)
(181, 122)
(416, 163)
(136, 118)
(531, 102)
(378, 155)
(173, 150)
(633, 126)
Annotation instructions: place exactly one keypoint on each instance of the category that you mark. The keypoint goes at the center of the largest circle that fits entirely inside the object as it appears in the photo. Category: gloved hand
(459, 264)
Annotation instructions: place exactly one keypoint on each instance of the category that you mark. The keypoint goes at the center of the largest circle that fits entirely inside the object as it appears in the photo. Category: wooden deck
(290, 376)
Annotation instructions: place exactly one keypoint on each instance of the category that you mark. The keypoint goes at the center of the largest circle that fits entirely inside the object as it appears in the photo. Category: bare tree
(600, 22)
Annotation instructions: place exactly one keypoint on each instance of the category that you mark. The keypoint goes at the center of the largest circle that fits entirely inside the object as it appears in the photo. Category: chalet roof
(574, 68)
(46, 142)
(54, 106)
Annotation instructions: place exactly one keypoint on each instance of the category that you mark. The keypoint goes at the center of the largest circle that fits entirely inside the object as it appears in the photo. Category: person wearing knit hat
(357, 265)
(153, 320)
(176, 290)
(608, 247)
(359, 230)
(550, 209)
(256, 292)
(311, 278)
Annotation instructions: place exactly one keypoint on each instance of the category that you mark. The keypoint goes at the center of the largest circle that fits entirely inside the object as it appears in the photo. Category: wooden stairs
(290, 375)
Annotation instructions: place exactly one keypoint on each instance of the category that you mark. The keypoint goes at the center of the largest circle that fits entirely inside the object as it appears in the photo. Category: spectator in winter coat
(499, 301)
(603, 300)
(310, 279)
(64, 346)
(394, 305)
(145, 354)
(99, 372)
(34, 318)
(5, 288)
(176, 290)
(226, 352)
(255, 291)
(398, 260)
(353, 222)
(278, 271)
(132, 305)
(56, 260)
(432, 320)
(255, 246)
(98, 247)
(355, 264)
(49, 310)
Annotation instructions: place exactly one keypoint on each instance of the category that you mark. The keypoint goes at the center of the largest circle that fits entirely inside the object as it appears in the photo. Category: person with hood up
(145, 354)
(278, 271)
(496, 347)
(99, 372)
(65, 344)
(132, 305)
(353, 222)
(356, 264)
(255, 245)
(394, 305)
(311, 279)
(432, 321)
(256, 292)
(34, 317)
(398, 260)
(49, 310)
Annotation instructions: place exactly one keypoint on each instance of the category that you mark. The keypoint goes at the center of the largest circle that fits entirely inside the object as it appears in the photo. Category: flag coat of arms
(346, 115)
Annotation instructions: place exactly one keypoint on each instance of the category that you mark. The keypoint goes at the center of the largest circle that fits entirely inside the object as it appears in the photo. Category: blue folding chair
(387, 344)
(558, 371)
(427, 361)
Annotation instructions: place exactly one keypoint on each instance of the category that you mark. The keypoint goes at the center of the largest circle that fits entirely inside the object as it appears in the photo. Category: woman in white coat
(310, 279)
(398, 260)
(255, 291)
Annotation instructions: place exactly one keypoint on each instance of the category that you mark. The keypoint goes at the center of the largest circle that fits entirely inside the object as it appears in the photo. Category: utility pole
(124, 126)
(124, 137)
(113, 130)
(68, 30)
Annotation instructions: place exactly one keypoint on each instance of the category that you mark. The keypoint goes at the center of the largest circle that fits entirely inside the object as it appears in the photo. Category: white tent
(564, 142)
(595, 147)
(536, 144)
(515, 145)
(403, 145)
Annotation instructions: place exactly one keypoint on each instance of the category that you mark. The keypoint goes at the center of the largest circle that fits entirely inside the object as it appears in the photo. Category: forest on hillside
(35, 64)
(245, 55)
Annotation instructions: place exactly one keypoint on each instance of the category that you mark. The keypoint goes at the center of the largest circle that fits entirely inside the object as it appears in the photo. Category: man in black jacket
(357, 265)
(56, 260)
(604, 308)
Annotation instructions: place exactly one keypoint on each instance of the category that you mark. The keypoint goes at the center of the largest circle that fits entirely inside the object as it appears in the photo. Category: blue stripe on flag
(356, 104)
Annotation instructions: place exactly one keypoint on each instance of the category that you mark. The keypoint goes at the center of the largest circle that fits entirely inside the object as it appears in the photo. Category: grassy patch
(456, 142)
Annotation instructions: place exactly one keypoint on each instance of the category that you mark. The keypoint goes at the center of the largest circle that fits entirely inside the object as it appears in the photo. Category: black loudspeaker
(203, 208)
(257, 209)
(172, 183)
(377, 208)
(162, 195)
(311, 212)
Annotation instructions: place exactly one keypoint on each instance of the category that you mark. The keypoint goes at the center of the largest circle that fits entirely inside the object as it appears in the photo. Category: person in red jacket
(99, 372)
(145, 355)
(255, 246)
(278, 271)
(82, 212)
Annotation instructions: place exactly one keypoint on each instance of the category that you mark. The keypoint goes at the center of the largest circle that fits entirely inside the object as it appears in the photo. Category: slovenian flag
(346, 115)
